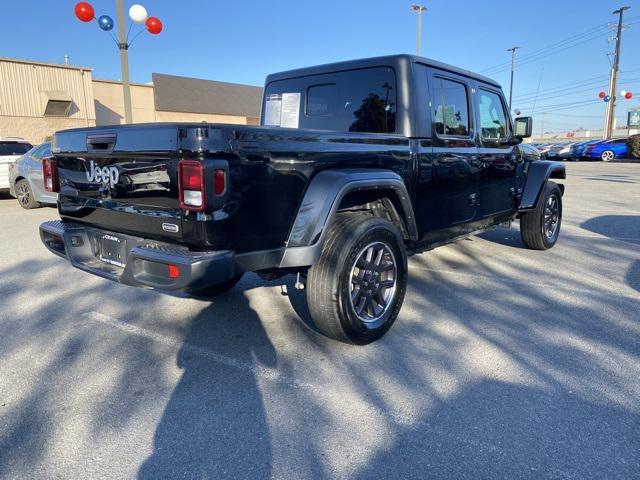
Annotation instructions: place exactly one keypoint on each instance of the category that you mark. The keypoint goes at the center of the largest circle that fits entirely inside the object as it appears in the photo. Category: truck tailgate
(123, 179)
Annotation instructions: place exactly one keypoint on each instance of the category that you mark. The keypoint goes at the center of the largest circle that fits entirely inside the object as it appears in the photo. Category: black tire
(535, 226)
(219, 289)
(349, 240)
(25, 195)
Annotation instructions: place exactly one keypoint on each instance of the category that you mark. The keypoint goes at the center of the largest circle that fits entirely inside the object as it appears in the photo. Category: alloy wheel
(608, 155)
(551, 217)
(373, 282)
(23, 193)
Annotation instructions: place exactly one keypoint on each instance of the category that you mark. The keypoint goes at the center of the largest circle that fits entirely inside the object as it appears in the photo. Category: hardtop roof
(389, 60)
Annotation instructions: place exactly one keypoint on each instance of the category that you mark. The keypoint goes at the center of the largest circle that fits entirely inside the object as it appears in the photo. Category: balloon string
(136, 36)
(128, 32)
(115, 40)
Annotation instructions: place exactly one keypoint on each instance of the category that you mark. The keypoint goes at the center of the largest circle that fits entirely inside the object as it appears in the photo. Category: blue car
(578, 149)
(607, 150)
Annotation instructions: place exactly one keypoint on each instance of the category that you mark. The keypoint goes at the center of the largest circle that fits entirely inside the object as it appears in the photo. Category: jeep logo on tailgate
(108, 175)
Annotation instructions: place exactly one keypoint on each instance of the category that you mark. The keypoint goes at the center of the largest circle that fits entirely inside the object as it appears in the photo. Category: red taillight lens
(219, 182)
(173, 271)
(191, 185)
(50, 175)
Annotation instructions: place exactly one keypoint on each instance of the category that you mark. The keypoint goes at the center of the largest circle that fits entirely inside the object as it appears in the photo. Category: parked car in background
(11, 149)
(25, 178)
(553, 153)
(544, 148)
(608, 150)
(577, 150)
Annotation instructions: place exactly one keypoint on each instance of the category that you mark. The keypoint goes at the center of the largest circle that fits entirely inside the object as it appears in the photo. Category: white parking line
(269, 374)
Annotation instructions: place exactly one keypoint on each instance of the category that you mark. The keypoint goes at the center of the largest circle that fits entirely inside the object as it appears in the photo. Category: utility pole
(419, 9)
(613, 82)
(542, 126)
(124, 60)
(513, 68)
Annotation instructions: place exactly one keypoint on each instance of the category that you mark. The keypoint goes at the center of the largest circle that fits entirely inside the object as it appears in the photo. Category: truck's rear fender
(327, 193)
(538, 174)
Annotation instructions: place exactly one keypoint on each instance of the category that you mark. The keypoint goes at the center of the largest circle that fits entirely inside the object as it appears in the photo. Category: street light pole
(613, 82)
(419, 9)
(513, 68)
(124, 60)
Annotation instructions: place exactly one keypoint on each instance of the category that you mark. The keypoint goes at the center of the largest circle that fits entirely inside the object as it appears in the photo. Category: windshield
(14, 148)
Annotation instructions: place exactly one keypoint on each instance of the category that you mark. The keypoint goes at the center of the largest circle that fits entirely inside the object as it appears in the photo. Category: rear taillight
(219, 182)
(50, 175)
(191, 187)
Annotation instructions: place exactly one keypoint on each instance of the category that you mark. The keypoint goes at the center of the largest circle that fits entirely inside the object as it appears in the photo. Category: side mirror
(523, 127)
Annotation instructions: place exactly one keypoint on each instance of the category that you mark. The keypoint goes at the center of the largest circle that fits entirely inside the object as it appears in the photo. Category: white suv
(11, 149)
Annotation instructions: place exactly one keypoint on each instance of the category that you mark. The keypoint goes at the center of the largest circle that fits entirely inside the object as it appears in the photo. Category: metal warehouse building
(37, 99)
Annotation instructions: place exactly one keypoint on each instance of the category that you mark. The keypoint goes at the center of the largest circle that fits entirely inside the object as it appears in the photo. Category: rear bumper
(147, 261)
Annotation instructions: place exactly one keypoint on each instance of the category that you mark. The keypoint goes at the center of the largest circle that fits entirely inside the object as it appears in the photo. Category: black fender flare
(321, 201)
(538, 174)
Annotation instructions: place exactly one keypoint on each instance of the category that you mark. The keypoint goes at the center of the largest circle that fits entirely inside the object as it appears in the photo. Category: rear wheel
(607, 156)
(355, 290)
(540, 228)
(219, 289)
(25, 195)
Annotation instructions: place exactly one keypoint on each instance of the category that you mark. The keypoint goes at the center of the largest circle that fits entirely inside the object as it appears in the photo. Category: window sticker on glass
(273, 110)
(290, 110)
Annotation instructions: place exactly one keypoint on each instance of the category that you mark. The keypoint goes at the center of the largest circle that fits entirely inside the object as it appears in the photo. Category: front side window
(451, 108)
(493, 118)
(362, 100)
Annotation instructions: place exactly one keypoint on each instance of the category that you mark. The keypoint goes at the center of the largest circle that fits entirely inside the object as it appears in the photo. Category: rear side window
(42, 151)
(451, 108)
(362, 100)
(14, 148)
(493, 119)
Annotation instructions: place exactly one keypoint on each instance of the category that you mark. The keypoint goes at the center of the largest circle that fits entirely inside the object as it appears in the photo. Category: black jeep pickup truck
(355, 166)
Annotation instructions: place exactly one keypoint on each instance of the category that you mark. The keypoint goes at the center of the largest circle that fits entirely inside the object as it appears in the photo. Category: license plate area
(112, 250)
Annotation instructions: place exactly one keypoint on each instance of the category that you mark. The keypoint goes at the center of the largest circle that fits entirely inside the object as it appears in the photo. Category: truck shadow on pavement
(214, 425)
(483, 375)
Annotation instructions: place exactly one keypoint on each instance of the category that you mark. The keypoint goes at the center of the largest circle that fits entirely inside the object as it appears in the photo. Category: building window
(58, 104)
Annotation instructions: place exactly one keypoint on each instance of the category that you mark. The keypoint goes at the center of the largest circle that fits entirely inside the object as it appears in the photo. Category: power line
(555, 47)
(560, 95)
(571, 87)
(564, 106)
(566, 86)
(550, 53)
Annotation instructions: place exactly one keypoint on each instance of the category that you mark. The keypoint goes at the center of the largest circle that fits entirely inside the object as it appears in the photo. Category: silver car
(25, 178)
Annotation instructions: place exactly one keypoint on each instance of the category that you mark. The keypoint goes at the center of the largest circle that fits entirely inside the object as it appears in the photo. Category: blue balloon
(607, 98)
(105, 22)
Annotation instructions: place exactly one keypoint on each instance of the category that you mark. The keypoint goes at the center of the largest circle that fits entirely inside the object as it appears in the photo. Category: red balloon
(629, 96)
(154, 25)
(602, 94)
(84, 12)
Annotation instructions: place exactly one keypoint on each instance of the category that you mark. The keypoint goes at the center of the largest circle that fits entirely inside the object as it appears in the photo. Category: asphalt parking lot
(504, 363)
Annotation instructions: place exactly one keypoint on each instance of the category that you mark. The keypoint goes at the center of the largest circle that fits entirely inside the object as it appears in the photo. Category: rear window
(362, 100)
(14, 148)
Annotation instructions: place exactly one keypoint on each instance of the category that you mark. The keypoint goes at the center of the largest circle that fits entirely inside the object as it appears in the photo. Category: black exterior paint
(452, 186)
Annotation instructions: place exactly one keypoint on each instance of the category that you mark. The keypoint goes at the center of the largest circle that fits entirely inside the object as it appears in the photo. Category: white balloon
(137, 13)
(623, 92)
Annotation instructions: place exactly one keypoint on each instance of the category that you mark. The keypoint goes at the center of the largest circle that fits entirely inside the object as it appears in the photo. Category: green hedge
(633, 142)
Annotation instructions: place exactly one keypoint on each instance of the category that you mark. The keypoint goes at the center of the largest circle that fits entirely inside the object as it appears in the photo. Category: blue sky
(244, 41)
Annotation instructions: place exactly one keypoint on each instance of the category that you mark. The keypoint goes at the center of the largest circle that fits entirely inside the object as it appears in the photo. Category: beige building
(37, 99)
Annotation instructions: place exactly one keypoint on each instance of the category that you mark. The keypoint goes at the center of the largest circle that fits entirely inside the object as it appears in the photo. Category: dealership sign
(634, 118)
